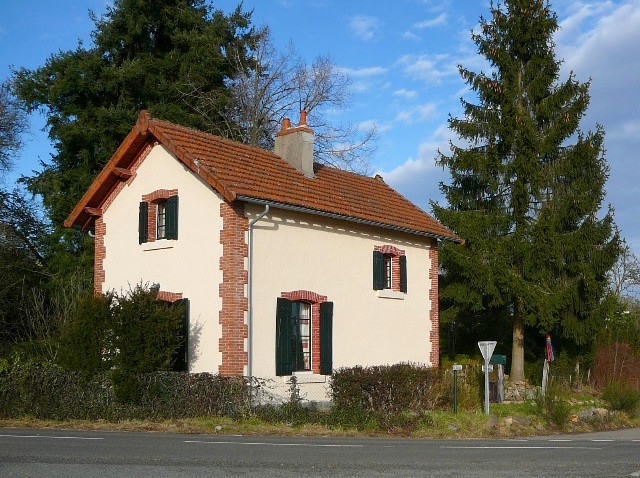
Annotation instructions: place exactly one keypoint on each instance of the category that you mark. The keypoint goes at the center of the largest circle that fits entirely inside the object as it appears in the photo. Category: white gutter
(250, 293)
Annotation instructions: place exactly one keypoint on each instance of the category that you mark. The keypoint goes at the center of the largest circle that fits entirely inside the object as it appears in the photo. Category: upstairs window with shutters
(158, 216)
(389, 269)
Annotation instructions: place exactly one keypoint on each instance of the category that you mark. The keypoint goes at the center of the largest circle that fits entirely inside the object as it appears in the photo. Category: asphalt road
(60, 453)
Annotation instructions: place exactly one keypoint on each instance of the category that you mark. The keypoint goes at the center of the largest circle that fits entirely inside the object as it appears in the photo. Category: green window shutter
(403, 274)
(283, 337)
(181, 361)
(171, 220)
(378, 270)
(326, 338)
(143, 222)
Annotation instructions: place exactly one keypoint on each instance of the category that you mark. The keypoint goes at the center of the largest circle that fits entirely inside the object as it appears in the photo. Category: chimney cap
(286, 127)
(286, 124)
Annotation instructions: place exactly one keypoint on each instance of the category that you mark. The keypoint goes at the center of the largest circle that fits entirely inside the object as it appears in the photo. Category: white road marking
(637, 473)
(602, 439)
(527, 447)
(271, 444)
(52, 436)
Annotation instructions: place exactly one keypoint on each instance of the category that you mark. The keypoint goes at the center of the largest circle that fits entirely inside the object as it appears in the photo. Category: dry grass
(435, 425)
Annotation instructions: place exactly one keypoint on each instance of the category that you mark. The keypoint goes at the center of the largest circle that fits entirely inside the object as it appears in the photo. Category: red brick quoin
(434, 312)
(100, 253)
(232, 289)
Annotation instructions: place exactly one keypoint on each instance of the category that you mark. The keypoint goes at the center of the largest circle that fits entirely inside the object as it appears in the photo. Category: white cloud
(411, 36)
(432, 22)
(425, 68)
(417, 114)
(408, 94)
(364, 27)
(419, 178)
(606, 51)
(631, 128)
(364, 72)
(368, 125)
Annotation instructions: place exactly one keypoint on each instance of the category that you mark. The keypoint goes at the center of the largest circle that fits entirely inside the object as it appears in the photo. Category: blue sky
(402, 58)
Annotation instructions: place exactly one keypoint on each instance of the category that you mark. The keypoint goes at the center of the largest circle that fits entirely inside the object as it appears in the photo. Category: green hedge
(390, 389)
(49, 392)
(381, 397)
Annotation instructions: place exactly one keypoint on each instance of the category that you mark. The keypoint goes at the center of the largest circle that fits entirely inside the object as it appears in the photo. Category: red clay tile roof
(252, 174)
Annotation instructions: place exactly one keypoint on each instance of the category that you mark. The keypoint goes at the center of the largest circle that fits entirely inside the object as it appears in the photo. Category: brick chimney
(294, 144)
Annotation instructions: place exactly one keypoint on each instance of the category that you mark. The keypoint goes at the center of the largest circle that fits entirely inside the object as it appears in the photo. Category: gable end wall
(101, 227)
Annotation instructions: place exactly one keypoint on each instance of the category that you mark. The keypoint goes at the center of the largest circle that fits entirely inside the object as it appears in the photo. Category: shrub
(389, 390)
(84, 337)
(552, 406)
(147, 336)
(616, 362)
(49, 392)
(622, 397)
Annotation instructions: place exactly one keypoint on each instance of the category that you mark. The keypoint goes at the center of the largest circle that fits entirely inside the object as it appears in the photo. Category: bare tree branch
(271, 86)
(13, 124)
(624, 276)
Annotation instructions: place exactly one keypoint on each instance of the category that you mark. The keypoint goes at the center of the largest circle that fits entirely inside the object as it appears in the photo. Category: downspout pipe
(250, 293)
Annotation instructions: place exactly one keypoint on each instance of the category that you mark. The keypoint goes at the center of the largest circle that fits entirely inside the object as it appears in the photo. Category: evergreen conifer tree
(143, 54)
(526, 188)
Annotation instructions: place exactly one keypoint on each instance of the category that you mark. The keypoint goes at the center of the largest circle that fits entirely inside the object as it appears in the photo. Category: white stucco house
(289, 267)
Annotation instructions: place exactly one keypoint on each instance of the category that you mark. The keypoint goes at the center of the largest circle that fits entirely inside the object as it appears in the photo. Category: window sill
(390, 294)
(306, 377)
(156, 245)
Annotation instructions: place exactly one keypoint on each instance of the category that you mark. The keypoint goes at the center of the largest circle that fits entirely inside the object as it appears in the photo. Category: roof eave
(112, 173)
(318, 212)
(104, 183)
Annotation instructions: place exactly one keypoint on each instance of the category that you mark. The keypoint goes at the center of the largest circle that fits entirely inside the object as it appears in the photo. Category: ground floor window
(304, 327)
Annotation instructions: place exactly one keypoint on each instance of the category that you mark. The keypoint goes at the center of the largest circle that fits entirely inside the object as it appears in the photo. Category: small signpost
(486, 348)
(456, 368)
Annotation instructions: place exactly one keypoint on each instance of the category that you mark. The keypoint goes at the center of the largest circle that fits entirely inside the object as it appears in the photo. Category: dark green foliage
(85, 339)
(48, 392)
(129, 335)
(147, 335)
(13, 124)
(22, 261)
(142, 55)
(526, 203)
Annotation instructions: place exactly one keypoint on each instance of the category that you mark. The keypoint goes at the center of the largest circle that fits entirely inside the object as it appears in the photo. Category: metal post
(486, 348)
(486, 386)
(455, 392)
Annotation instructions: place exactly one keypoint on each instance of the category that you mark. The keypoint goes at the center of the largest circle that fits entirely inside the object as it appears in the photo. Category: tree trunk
(517, 351)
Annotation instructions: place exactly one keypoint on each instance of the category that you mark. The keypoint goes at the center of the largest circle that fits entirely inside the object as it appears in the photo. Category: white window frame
(161, 220)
